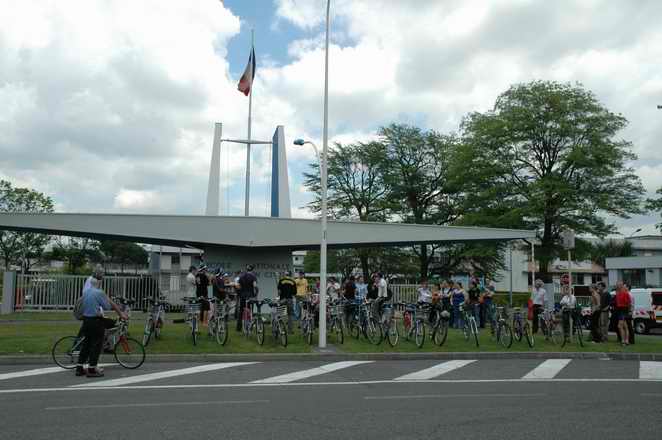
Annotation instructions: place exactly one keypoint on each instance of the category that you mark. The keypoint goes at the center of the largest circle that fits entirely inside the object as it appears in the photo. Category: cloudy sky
(109, 105)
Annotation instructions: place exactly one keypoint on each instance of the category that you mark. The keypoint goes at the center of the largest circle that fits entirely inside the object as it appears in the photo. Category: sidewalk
(336, 356)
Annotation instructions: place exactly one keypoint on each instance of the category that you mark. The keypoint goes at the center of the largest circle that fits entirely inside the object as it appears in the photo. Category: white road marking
(37, 372)
(306, 384)
(304, 374)
(146, 405)
(162, 375)
(650, 370)
(436, 370)
(548, 369)
(448, 396)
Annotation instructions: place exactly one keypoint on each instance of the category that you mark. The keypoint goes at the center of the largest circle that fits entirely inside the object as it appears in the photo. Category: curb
(270, 357)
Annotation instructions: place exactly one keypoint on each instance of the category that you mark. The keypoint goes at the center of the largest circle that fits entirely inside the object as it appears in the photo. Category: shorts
(621, 314)
(204, 305)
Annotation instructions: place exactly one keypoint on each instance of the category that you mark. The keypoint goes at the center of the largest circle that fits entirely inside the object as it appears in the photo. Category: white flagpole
(248, 145)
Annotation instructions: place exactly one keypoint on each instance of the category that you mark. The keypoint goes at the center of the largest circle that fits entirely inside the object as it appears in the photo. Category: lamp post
(638, 230)
(322, 316)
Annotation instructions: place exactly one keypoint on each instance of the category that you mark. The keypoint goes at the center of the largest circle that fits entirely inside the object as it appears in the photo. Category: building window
(596, 278)
(175, 259)
(634, 277)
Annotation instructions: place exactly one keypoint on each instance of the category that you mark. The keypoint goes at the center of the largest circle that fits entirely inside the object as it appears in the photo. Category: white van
(647, 312)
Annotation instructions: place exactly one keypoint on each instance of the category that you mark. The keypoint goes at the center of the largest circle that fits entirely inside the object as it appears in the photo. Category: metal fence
(60, 292)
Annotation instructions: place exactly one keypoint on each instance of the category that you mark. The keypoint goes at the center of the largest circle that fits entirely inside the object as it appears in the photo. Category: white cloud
(127, 199)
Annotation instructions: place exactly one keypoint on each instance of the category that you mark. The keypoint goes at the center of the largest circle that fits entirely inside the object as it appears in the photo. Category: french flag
(246, 81)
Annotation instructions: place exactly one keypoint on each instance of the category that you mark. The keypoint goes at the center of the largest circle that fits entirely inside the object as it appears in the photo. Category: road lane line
(650, 370)
(155, 404)
(304, 374)
(312, 384)
(162, 375)
(447, 396)
(37, 372)
(548, 369)
(436, 370)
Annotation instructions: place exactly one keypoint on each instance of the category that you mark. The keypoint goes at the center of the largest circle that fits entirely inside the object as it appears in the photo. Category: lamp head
(299, 142)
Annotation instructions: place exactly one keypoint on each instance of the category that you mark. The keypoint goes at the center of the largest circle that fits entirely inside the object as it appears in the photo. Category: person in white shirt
(382, 294)
(333, 288)
(568, 304)
(190, 282)
(424, 292)
(538, 297)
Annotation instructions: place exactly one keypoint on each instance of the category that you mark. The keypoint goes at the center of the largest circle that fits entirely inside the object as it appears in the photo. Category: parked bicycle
(218, 321)
(278, 320)
(128, 352)
(574, 326)
(414, 320)
(334, 321)
(307, 319)
(253, 322)
(364, 323)
(389, 324)
(550, 327)
(521, 327)
(440, 328)
(155, 319)
(502, 331)
(192, 316)
(470, 328)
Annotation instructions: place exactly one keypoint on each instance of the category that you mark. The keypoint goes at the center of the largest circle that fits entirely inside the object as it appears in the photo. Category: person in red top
(622, 309)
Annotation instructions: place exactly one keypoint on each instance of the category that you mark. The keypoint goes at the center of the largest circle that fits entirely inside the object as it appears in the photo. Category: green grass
(37, 337)
(456, 343)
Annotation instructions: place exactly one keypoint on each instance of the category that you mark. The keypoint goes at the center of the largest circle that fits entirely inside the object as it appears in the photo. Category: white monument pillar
(280, 186)
(213, 190)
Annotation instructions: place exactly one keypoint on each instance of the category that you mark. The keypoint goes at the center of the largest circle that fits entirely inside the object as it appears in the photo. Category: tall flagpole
(248, 145)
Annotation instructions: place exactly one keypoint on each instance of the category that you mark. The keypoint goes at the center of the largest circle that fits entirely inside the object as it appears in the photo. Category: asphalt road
(487, 399)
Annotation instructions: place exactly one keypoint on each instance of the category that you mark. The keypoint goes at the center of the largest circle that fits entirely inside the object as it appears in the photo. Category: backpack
(78, 309)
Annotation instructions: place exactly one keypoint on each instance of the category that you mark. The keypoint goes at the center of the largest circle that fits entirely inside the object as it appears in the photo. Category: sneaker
(94, 372)
(80, 371)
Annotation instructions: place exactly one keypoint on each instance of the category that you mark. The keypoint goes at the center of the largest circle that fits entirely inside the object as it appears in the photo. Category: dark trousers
(93, 330)
(595, 326)
(239, 310)
(628, 322)
(537, 310)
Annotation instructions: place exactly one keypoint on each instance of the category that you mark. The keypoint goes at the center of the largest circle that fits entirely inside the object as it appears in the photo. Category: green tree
(22, 248)
(600, 251)
(419, 181)
(655, 205)
(550, 151)
(122, 253)
(76, 253)
(356, 189)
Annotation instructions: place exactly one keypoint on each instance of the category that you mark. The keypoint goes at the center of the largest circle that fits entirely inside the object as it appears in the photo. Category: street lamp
(322, 315)
(659, 107)
(635, 232)
(323, 177)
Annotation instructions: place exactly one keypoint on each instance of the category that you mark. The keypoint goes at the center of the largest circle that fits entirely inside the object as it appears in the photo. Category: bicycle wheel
(149, 328)
(579, 334)
(392, 334)
(157, 329)
(466, 331)
(259, 331)
(440, 332)
(555, 333)
(338, 330)
(474, 330)
(419, 333)
(354, 329)
(505, 335)
(194, 330)
(308, 331)
(129, 353)
(65, 352)
(282, 333)
(221, 331)
(517, 330)
(529, 335)
(374, 331)
(406, 325)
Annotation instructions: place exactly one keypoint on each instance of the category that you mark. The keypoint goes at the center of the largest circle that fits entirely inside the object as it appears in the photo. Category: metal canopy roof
(247, 232)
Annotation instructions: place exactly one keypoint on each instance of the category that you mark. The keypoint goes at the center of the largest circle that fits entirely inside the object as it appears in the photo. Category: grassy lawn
(38, 336)
(456, 343)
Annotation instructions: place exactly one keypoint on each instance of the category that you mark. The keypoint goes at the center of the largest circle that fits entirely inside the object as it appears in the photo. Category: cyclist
(95, 302)
(568, 304)
(190, 282)
(425, 296)
(287, 289)
(474, 299)
(538, 297)
(361, 288)
(458, 298)
(350, 294)
(201, 284)
(382, 293)
(247, 288)
(605, 303)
